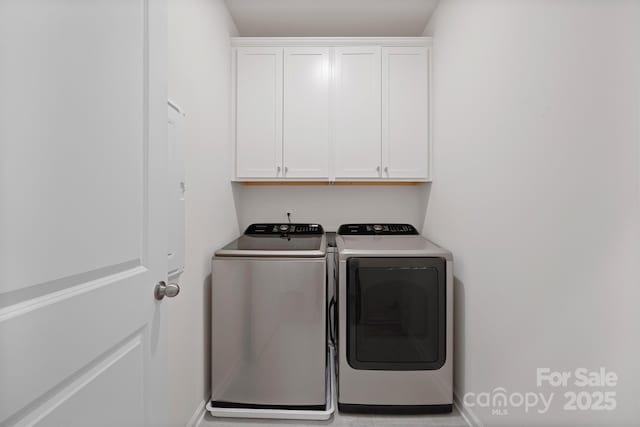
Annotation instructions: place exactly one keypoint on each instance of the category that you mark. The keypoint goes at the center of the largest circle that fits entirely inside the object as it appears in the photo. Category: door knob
(166, 290)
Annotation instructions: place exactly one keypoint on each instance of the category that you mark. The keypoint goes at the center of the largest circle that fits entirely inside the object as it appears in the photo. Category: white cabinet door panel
(357, 145)
(258, 112)
(405, 112)
(306, 112)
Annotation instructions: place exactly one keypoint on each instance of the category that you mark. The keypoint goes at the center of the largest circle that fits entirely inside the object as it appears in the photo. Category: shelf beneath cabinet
(332, 183)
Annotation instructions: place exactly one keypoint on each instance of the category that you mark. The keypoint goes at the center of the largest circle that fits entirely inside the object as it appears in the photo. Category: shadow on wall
(331, 205)
(236, 190)
(206, 330)
(459, 333)
(424, 204)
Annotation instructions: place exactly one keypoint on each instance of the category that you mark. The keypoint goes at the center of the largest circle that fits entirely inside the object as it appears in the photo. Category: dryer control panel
(289, 229)
(377, 229)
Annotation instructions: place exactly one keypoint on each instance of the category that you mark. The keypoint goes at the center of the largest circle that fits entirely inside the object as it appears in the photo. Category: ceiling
(330, 18)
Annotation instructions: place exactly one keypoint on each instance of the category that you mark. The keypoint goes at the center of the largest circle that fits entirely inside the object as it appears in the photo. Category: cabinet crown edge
(331, 41)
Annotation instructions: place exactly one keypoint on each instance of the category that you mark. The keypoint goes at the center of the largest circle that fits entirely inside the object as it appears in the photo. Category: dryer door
(396, 313)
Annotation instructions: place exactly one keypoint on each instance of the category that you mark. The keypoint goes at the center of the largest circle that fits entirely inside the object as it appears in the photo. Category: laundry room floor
(453, 419)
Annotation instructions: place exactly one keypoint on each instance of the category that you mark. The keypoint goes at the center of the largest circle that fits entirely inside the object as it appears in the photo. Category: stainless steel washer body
(382, 298)
(269, 321)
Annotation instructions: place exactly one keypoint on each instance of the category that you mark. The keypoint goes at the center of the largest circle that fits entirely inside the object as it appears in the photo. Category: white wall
(536, 192)
(331, 205)
(199, 82)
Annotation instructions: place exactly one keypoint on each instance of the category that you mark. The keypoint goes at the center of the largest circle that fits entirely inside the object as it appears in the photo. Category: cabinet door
(357, 144)
(258, 112)
(405, 112)
(306, 112)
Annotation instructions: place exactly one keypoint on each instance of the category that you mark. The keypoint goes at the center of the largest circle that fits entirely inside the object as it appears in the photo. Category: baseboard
(466, 413)
(198, 414)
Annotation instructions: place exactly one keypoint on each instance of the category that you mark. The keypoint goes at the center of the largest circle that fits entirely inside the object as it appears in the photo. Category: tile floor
(346, 420)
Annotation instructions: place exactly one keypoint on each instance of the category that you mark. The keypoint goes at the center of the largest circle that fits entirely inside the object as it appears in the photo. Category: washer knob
(284, 227)
(377, 227)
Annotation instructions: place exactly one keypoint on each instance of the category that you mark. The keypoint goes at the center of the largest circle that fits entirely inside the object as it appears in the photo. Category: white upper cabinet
(258, 113)
(405, 112)
(357, 143)
(306, 112)
(337, 109)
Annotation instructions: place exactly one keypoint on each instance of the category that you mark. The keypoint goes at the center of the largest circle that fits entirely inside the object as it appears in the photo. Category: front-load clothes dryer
(269, 345)
(395, 321)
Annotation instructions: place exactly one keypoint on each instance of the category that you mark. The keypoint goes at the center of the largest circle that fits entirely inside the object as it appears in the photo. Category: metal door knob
(166, 290)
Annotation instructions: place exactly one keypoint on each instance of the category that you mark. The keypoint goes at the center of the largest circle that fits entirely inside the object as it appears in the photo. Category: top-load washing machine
(269, 345)
(395, 321)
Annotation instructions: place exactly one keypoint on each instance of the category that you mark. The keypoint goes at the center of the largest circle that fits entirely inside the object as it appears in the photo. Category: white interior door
(357, 145)
(83, 125)
(405, 112)
(306, 112)
(258, 112)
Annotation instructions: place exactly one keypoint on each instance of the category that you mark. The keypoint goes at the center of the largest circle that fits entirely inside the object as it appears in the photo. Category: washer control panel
(378, 229)
(289, 229)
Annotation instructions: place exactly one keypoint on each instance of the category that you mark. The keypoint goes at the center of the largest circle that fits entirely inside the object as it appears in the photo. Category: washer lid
(310, 246)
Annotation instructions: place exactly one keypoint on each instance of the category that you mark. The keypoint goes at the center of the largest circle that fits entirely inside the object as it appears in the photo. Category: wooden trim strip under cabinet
(332, 183)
